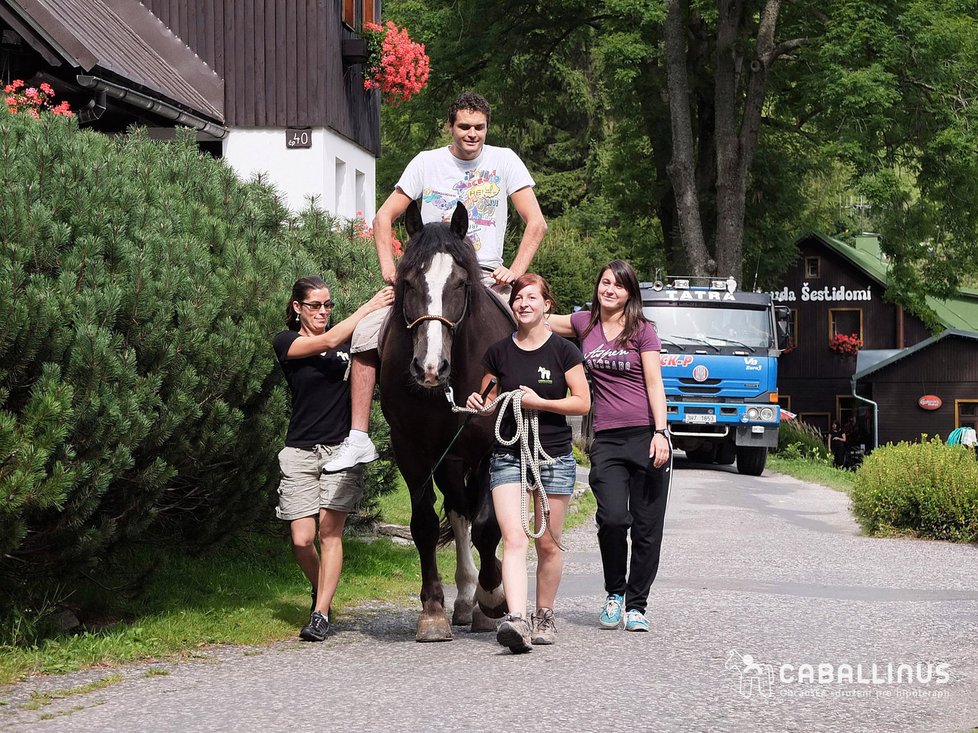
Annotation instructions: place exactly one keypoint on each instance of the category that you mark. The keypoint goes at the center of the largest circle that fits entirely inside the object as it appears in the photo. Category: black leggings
(631, 495)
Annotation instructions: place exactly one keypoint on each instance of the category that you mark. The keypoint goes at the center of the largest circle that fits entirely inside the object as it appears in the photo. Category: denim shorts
(558, 478)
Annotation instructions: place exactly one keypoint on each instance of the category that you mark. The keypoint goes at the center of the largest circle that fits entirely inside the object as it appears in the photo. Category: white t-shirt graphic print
(441, 180)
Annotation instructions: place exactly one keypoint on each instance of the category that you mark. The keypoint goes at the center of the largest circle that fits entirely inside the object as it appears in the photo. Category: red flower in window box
(848, 344)
(31, 100)
(396, 65)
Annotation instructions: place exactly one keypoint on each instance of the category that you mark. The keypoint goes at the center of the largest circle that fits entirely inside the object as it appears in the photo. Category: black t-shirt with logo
(320, 393)
(542, 370)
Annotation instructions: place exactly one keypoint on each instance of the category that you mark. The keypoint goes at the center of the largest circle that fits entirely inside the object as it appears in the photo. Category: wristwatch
(661, 431)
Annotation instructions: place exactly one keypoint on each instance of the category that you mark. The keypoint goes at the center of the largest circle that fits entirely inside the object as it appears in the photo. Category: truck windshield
(717, 326)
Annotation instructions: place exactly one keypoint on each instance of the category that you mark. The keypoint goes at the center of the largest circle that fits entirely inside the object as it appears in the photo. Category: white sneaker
(350, 454)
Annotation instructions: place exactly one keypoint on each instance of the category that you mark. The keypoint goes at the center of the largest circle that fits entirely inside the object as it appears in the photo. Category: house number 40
(298, 137)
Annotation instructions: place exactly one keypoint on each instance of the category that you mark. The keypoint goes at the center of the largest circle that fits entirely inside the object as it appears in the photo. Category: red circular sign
(929, 402)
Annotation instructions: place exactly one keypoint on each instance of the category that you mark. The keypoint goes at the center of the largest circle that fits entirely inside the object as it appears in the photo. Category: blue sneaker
(636, 621)
(610, 617)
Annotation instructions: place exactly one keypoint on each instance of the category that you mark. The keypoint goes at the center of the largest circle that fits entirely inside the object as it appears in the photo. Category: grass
(40, 699)
(251, 593)
(816, 473)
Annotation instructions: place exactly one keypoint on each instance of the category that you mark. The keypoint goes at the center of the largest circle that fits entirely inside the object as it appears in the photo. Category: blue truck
(720, 349)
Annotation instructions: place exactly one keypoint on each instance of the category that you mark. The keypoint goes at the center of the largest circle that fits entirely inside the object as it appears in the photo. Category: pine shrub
(140, 399)
(928, 489)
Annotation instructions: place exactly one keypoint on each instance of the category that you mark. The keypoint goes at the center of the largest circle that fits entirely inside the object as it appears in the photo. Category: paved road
(763, 581)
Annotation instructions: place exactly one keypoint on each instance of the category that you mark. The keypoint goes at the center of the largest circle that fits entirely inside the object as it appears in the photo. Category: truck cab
(720, 349)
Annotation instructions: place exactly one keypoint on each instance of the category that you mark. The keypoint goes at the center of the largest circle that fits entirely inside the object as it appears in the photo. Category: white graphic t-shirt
(441, 180)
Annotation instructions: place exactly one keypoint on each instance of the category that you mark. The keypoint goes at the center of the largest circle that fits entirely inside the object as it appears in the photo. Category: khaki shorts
(304, 489)
(366, 335)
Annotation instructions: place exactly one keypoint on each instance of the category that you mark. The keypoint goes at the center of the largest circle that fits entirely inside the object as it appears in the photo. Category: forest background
(703, 137)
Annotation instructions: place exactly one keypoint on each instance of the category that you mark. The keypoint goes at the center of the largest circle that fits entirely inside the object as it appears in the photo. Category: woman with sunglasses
(316, 358)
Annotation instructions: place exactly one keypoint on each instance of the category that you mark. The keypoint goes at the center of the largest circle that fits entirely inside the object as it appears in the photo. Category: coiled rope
(532, 455)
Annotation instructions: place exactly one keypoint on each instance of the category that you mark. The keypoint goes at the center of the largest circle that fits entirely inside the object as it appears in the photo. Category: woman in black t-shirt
(838, 442)
(544, 367)
(315, 359)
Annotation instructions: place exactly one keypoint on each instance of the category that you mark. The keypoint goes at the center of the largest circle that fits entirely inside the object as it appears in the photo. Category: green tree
(722, 120)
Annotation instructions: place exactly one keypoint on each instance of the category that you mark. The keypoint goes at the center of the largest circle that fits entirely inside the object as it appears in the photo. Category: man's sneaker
(514, 632)
(636, 621)
(544, 628)
(317, 627)
(610, 617)
(349, 454)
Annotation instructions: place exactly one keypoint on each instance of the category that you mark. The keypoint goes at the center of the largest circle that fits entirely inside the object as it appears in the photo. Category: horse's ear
(412, 219)
(460, 220)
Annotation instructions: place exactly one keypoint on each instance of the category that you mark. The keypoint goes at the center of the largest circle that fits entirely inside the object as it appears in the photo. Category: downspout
(163, 109)
(876, 414)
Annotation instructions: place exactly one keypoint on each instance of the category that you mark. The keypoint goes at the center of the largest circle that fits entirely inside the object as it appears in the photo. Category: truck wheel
(726, 454)
(703, 454)
(751, 460)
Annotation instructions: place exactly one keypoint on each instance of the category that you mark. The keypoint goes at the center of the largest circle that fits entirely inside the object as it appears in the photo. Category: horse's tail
(446, 533)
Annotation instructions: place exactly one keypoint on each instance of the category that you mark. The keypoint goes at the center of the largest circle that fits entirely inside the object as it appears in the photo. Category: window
(966, 413)
(813, 267)
(846, 321)
(818, 420)
(784, 401)
(360, 192)
(339, 188)
(358, 12)
(845, 408)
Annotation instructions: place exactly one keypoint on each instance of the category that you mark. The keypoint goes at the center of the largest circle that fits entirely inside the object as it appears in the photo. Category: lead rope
(532, 455)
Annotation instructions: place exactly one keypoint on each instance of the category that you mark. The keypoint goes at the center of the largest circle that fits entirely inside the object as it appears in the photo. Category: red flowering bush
(397, 65)
(33, 99)
(362, 230)
(846, 344)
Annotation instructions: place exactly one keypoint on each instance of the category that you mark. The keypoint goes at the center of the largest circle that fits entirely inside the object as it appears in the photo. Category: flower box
(847, 344)
(355, 51)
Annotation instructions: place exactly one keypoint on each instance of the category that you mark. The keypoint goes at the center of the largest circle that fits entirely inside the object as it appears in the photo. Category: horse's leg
(485, 537)
(450, 478)
(466, 573)
(433, 622)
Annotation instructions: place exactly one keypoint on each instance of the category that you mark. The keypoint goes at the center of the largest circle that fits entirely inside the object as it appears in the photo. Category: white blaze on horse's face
(436, 277)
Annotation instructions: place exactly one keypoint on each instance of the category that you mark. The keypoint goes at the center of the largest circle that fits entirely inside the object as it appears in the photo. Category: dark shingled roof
(124, 38)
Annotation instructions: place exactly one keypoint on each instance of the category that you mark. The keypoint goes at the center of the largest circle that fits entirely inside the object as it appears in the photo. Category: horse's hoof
(434, 628)
(482, 623)
(462, 614)
(492, 603)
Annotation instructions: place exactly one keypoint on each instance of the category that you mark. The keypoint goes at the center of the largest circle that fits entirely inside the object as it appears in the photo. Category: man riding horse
(468, 183)
(478, 176)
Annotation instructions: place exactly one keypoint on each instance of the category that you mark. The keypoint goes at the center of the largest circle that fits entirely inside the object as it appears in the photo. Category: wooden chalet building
(837, 288)
(273, 86)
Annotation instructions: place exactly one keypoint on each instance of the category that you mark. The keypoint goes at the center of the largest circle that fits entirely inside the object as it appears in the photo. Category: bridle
(452, 326)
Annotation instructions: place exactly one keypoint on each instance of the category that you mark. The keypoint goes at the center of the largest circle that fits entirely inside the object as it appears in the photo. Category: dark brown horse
(442, 321)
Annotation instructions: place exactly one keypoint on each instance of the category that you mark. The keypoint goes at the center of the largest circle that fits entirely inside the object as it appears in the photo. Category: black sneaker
(317, 627)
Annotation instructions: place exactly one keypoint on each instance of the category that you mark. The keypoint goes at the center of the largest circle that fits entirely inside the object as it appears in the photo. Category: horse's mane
(434, 238)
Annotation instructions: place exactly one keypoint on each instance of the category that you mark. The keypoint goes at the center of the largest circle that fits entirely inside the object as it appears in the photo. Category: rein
(532, 455)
